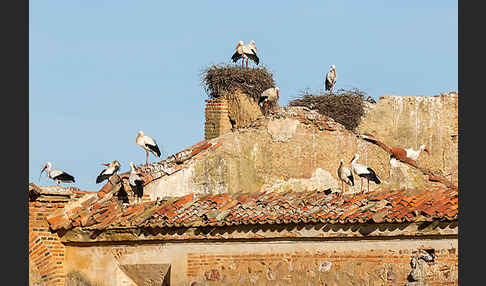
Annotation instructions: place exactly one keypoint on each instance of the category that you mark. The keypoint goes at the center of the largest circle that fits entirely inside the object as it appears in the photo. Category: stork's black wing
(235, 57)
(64, 177)
(351, 178)
(154, 149)
(253, 57)
(328, 84)
(101, 177)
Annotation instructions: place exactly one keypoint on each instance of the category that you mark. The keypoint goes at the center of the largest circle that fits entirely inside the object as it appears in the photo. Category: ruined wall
(297, 149)
(366, 262)
(409, 121)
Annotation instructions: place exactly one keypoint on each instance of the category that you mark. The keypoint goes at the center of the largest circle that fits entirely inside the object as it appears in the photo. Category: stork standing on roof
(406, 155)
(56, 174)
(148, 144)
(331, 78)
(269, 96)
(111, 169)
(243, 52)
(135, 181)
(364, 172)
(345, 175)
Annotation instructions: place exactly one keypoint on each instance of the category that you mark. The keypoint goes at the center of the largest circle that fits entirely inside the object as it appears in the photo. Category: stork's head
(132, 165)
(240, 43)
(422, 147)
(140, 133)
(333, 67)
(47, 165)
(116, 164)
(355, 157)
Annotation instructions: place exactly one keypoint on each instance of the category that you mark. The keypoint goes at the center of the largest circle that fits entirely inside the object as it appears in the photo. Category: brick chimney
(217, 118)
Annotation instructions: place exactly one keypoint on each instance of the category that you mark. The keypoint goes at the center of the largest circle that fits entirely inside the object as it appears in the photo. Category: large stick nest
(344, 106)
(222, 79)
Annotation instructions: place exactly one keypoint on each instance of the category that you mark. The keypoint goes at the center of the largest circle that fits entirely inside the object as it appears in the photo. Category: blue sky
(99, 71)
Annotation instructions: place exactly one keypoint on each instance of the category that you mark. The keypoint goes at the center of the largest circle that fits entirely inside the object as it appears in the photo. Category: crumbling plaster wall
(367, 262)
(409, 121)
(289, 154)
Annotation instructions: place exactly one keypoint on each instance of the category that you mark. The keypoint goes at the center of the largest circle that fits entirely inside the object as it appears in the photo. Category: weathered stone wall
(293, 151)
(334, 262)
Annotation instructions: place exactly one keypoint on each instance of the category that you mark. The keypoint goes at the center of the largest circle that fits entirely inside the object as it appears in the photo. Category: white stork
(414, 154)
(56, 174)
(345, 175)
(148, 144)
(135, 181)
(269, 96)
(408, 156)
(113, 167)
(364, 172)
(331, 78)
(243, 51)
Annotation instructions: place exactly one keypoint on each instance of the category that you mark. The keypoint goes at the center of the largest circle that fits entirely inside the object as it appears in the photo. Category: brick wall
(278, 262)
(46, 252)
(217, 119)
(379, 267)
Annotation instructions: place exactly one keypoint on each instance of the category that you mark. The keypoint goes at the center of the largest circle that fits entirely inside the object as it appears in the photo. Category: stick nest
(344, 106)
(223, 79)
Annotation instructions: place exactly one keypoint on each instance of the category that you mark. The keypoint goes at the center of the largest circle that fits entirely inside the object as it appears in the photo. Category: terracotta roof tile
(264, 208)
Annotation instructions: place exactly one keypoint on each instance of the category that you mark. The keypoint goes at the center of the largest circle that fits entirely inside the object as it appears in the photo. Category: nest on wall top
(344, 106)
(222, 79)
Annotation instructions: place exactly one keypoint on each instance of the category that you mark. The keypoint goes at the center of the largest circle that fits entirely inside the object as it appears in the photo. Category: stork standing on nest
(148, 144)
(269, 96)
(111, 169)
(331, 78)
(364, 172)
(408, 155)
(56, 174)
(345, 175)
(245, 52)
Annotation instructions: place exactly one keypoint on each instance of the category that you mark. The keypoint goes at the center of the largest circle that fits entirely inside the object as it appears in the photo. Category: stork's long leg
(146, 161)
(246, 62)
(368, 185)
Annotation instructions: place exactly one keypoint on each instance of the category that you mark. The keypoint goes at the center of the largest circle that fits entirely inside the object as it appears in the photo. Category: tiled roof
(176, 162)
(392, 206)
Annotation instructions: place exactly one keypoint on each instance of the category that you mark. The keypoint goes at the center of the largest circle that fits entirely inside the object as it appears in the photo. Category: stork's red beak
(426, 150)
(45, 167)
(351, 160)
(105, 164)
